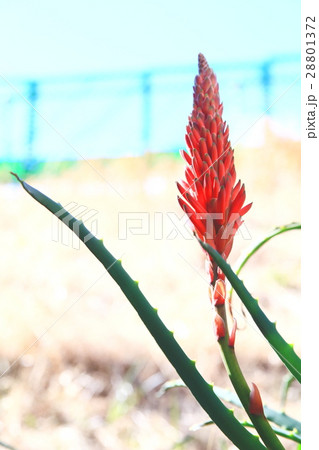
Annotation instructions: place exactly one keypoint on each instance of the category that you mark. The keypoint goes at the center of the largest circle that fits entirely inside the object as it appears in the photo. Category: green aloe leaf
(284, 350)
(8, 446)
(292, 435)
(277, 417)
(277, 231)
(285, 385)
(186, 368)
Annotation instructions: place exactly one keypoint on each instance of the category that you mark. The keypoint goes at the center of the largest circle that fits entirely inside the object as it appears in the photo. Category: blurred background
(94, 101)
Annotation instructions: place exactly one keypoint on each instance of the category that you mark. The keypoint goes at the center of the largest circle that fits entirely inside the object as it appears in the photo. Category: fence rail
(129, 113)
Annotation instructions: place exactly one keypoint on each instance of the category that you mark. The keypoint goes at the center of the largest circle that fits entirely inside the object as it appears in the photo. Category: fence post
(146, 110)
(31, 131)
(266, 80)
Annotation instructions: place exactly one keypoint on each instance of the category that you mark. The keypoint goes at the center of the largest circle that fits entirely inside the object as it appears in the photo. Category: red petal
(221, 205)
(202, 147)
(221, 169)
(220, 240)
(245, 209)
(228, 188)
(208, 187)
(216, 188)
(181, 188)
(195, 204)
(228, 248)
(239, 200)
(189, 176)
(196, 134)
(198, 224)
(214, 153)
(220, 144)
(197, 165)
(197, 156)
(235, 190)
(207, 158)
(209, 139)
(213, 127)
(186, 156)
(188, 141)
(206, 84)
(199, 122)
(229, 160)
(226, 132)
(200, 192)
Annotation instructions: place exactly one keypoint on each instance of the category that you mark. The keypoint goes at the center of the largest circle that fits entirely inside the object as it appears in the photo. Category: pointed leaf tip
(15, 175)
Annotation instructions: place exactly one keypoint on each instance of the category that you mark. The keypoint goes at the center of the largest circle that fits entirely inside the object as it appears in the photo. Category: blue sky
(58, 37)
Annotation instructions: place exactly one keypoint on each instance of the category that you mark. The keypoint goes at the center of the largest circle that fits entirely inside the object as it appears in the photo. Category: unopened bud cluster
(218, 299)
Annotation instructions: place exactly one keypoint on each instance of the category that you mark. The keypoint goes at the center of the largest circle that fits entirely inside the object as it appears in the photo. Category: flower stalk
(250, 399)
(284, 350)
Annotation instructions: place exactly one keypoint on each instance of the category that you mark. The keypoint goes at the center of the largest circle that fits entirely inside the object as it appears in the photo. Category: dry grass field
(80, 371)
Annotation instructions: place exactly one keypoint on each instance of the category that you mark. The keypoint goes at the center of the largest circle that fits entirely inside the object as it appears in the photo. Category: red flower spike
(219, 326)
(231, 340)
(211, 192)
(255, 403)
(219, 295)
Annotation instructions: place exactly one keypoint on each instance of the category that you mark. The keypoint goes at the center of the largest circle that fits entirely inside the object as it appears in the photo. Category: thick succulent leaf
(185, 367)
(292, 435)
(284, 350)
(277, 417)
(246, 257)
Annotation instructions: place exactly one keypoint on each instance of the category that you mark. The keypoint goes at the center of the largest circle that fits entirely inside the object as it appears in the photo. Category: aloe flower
(209, 195)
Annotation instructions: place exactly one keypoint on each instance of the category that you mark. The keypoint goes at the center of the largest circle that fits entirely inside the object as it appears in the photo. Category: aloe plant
(214, 202)
(208, 397)
(185, 367)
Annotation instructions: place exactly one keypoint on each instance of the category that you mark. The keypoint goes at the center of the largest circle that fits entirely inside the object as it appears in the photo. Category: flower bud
(209, 189)
(219, 294)
(255, 403)
(231, 340)
(219, 326)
